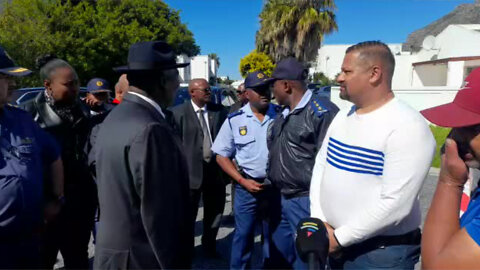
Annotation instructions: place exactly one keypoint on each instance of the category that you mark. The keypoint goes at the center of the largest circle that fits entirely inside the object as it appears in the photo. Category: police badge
(242, 130)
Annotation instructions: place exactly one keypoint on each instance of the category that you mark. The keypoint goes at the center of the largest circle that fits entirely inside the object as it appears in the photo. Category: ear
(246, 94)
(287, 87)
(46, 84)
(376, 73)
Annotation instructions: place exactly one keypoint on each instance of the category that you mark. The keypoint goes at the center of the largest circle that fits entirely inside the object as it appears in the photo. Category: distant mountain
(462, 14)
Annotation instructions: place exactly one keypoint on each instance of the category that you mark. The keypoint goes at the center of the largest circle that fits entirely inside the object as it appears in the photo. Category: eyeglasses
(240, 92)
(206, 90)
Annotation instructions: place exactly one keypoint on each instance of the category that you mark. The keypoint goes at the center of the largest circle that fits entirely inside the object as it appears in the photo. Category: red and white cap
(464, 110)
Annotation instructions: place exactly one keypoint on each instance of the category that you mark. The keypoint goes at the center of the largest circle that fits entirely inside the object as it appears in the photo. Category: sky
(228, 27)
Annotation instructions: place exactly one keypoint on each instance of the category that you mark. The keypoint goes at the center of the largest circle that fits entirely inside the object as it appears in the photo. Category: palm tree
(294, 28)
(215, 57)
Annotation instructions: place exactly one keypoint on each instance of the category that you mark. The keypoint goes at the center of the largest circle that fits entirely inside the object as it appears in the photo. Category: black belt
(411, 238)
(245, 175)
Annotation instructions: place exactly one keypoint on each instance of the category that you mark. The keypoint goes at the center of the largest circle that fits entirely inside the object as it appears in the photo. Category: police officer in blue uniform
(25, 150)
(294, 140)
(243, 136)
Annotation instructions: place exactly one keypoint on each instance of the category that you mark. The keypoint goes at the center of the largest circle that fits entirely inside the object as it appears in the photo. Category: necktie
(207, 144)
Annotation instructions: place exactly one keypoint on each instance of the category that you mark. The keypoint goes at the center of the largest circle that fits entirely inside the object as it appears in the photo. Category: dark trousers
(250, 210)
(70, 234)
(213, 193)
(21, 254)
(293, 210)
(390, 257)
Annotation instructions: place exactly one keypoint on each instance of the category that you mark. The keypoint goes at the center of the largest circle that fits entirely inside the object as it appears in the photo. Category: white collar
(196, 108)
(149, 100)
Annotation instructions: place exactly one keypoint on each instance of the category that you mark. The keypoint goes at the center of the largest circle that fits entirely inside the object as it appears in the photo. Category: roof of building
(462, 14)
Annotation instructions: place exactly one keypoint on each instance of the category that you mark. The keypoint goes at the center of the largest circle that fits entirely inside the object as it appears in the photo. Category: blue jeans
(293, 210)
(249, 210)
(390, 257)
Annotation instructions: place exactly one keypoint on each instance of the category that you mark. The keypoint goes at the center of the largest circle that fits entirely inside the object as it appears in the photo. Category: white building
(428, 77)
(201, 67)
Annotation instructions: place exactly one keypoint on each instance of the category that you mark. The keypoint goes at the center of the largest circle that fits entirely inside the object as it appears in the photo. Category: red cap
(464, 110)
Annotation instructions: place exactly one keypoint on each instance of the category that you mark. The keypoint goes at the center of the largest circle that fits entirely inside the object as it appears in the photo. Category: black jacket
(293, 145)
(80, 190)
(143, 191)
(190, 131)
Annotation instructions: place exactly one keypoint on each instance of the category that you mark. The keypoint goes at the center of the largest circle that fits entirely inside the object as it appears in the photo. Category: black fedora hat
(150, 55)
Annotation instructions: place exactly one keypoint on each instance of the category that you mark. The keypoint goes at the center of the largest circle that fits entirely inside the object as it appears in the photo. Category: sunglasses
(240, 92)
(206, 90)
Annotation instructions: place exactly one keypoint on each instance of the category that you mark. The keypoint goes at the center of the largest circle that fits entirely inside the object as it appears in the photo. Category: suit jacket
(72, 137)
(143, 191)
(188, 126)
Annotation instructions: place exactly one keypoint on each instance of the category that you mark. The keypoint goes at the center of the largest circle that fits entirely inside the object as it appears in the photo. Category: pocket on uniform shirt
(244, 145)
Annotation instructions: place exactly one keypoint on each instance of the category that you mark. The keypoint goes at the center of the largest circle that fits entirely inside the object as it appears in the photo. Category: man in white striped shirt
(371, 167)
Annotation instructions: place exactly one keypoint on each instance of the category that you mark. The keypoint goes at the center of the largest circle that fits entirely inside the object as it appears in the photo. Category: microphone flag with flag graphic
(312, 240)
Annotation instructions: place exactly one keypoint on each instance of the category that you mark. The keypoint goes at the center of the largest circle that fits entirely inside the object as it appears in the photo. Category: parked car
(321, 90)
(24, 94)
(223, 96)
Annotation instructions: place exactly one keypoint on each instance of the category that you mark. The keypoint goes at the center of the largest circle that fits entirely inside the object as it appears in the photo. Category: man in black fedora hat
(141, 172)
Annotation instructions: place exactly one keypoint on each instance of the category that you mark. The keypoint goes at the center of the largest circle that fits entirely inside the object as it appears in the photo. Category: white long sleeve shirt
(369, 172)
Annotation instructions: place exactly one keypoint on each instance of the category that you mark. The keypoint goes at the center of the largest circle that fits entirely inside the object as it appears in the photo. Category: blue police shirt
(24, 149)
(471, 218)
(243, 136)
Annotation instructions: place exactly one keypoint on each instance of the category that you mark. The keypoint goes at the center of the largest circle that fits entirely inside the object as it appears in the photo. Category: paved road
(225, 234)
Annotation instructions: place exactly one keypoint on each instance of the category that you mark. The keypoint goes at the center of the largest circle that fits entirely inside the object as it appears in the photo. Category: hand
(453, 170)
(251, 185)
(51, 210)
(92, 102)
(333, 244)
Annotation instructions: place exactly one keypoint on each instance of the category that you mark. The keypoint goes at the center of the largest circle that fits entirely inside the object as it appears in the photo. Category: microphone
(312, 242)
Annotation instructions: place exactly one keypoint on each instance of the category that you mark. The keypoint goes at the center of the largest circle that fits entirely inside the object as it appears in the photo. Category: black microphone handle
(313, 261)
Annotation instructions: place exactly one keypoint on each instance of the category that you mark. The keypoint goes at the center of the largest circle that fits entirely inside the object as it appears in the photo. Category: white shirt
(196, 109)
(369, 172)
(149, 100)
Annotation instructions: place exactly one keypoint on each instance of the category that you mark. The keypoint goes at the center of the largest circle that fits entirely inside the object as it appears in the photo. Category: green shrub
(439, 133)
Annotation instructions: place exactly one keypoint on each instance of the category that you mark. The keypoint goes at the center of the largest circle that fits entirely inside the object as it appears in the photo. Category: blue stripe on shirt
(330, 150)
(354, 153)
(342, 162)
(351, 170)
(358, 148)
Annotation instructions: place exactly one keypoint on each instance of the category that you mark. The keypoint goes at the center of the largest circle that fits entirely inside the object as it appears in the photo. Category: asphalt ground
(225, 234)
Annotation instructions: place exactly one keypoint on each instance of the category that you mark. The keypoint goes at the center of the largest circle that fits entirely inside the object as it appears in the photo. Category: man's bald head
(199, 91)
(195, 83)
(375, 52)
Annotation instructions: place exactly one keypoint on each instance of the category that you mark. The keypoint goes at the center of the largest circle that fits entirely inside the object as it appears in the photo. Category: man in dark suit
(198, 122)
(141, 171)
(242, 99)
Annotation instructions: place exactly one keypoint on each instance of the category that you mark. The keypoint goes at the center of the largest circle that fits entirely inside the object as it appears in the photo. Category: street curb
(434, 171)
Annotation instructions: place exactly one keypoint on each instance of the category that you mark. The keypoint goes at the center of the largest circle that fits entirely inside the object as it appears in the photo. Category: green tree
(215, 57)
(294, 28)
(93, 36)
(256, 61)
(319, 77)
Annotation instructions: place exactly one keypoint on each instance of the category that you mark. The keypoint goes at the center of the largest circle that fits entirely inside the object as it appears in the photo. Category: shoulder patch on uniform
(235, 114)
(318, 108)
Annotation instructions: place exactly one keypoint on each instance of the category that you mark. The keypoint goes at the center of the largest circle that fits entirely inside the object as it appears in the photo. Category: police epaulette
(235, 114)
(317, 107)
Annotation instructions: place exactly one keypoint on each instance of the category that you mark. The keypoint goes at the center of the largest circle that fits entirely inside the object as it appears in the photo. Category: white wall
(430, 75)
(184, 73)
(418, 99)
(200, 67)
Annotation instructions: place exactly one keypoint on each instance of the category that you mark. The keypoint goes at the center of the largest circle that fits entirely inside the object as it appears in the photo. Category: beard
(344, 94)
